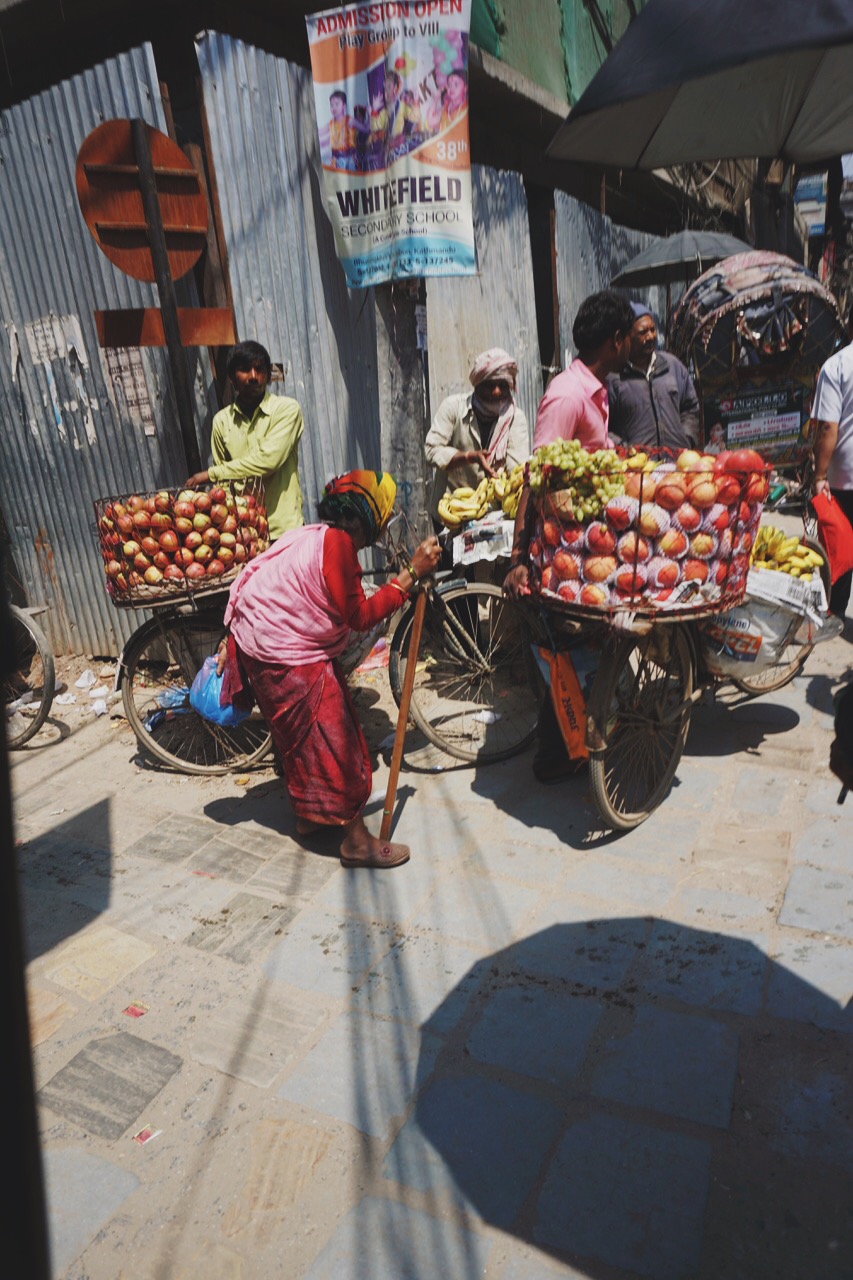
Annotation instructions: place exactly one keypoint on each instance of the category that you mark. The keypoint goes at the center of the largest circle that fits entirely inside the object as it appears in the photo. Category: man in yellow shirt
(258, 435)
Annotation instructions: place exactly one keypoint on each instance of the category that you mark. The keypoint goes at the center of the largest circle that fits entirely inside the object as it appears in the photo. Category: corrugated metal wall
(288, 286)
(590, 252)
(73, 429)
(496, 308)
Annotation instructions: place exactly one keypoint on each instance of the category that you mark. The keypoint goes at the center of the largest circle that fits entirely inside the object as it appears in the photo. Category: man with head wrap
(652, 399)
(289, 617)
(477, 434)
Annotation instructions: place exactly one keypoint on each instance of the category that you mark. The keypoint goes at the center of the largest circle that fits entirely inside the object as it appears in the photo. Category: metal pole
(166, 291)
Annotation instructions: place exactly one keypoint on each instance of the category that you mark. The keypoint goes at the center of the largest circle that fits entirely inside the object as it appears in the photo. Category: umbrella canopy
(716, 80)
(679, 257)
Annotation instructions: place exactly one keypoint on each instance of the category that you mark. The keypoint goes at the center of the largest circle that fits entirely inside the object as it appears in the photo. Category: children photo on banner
(391, 96)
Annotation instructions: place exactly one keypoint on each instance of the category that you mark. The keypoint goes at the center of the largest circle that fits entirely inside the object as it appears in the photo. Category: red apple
(671, 491)
(152, 576)
(193, 541)
(230, 525)
(185, 509)
(135, 503)
(141, 521)
(695, 571)
(113, 568)
(218, 494)
(568, 591)
(688, 460)
(195, 571)
(211, 537)
(544, 578)
(757, 487)
(183, 526)
(716, 518)
(630, 578)
(204, 554)
(219, 514)
(201, 522)
(728, 489)
(183, 557)
(203, 502)
(240, 554)
(703, 545)
(141, 562)
(124, 524)
(688, 517)
(174, 573)
(161, 521)
(161, 560)
(600, 539)
(215, 569)
(162, 500)
(703, 490)
(226, 555)
(662, 572)
(653, 520)
(169, 541)
(227, 540)
(550, 531)
(621, 512)
(150, 545)
(130, 549)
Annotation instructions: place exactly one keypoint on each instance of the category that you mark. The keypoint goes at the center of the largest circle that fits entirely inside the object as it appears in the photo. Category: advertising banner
(391, 96)
(773, 421)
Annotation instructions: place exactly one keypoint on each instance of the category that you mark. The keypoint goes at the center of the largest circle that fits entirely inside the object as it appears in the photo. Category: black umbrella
(676, 258)
(718, 80)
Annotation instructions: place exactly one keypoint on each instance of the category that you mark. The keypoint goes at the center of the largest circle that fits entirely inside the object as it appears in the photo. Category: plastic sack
(204, 697)
(747, 639)
(835, 533)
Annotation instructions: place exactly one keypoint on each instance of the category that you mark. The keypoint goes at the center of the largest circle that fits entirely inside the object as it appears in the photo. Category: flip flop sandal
(390, 855)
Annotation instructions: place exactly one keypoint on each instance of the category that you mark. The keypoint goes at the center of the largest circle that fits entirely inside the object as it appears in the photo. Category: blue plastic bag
(204, 697)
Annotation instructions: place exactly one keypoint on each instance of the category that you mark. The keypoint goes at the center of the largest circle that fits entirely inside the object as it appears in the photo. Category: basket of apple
(651, 532)
(156, 547)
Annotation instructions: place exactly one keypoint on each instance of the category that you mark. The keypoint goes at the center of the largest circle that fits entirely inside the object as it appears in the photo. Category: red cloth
(319, 740)
(342, 574)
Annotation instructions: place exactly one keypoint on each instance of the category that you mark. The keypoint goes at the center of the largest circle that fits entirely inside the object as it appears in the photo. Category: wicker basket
(675, 543)
(138, 533)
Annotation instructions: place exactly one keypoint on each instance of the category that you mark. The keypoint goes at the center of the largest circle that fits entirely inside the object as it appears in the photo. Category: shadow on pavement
(64, 878)
(639, 1098)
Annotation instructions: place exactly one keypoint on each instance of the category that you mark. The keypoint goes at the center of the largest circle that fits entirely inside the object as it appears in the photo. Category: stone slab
(820, 901)
(424, 977)
(811, 980)
(255, 1036)
(107, 1086)
(679, 1065)
(385, 1240)
(98, 960)
(827, 843)
(244, 928)
(220, 857)
(174, 838)
(364, 1072)
(568, 941)
(626, 1195)
(714, 970)
(48, 1012)
(172, 911)
(294, 875)
(535, 1032)
(329, 954)
(480, 1142)
(83, 1192)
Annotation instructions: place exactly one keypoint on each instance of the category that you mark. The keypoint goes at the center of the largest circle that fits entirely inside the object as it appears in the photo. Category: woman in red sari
(289, 615)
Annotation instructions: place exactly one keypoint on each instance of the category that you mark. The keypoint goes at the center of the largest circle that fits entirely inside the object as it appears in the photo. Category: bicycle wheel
(28, 689)
(160, 663)
(640, 705)
(793, 657)
(472, 695)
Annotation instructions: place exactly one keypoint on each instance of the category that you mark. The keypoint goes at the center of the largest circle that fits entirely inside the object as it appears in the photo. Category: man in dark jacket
(652, 401)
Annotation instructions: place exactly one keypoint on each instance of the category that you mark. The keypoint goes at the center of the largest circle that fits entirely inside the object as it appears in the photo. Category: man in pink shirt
(573, 407)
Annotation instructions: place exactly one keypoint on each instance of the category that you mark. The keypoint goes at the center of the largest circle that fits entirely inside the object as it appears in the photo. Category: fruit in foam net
(671, 491)
(599, 568)
(687, 517)
(661, 572)
(621, 511)
(630, 578)
(703, 545)
(600, 539)
(595, 595)
(715, 518)
(695, 571)
(569, 591)
(673, 544)
(566, 564)
(703, 490)
(633, 548)
(688, 460)
(653, 520)
(573, 536)
(728, 489)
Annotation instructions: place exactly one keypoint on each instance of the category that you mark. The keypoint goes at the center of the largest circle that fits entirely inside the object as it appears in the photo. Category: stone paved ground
(536, 1051)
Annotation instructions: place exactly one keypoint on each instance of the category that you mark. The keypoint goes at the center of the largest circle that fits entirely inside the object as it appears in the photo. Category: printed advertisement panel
(391, 97)
(774, 421)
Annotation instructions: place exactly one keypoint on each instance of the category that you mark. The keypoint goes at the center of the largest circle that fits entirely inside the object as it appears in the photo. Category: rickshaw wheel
(794, 655)
(641, 705)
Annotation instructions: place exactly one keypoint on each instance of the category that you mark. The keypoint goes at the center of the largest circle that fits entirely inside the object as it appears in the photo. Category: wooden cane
(403, 715)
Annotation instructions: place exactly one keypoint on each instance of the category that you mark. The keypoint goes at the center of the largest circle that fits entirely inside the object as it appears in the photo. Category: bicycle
(155, 674)
(29, 688)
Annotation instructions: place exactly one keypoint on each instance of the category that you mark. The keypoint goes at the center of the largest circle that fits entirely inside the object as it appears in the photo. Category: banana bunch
(774, 549)
(465, 504)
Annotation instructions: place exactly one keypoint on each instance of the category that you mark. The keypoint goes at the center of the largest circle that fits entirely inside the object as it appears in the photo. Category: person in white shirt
(832, 414)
